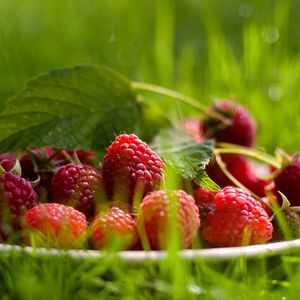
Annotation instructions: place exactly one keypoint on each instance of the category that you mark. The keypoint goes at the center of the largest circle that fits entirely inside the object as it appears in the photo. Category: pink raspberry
(130, 166)
(16, 197)
(238, 219)
(154, 218)
(241, 130)
(77, 186)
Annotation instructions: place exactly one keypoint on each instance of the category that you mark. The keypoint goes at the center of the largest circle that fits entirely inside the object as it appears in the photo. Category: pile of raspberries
(62, 199)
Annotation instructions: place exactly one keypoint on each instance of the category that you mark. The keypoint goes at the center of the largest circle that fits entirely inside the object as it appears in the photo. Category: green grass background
(245, 50)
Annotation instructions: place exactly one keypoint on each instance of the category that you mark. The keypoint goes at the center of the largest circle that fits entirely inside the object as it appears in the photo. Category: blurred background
(245, 50)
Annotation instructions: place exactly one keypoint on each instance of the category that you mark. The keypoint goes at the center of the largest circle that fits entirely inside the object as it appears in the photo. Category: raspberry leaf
(205, 181)
(187, 157)
(84, 106)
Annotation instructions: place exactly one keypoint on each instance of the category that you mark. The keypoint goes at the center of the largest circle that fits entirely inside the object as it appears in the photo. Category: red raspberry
(38, 166)
(35, 159)
(242, 169)
(291, 229)
(130, 166)
(38, 160)
(8, 160)
(238, 219)
(204, 201)
(154, 217)
(288, 182)
(193, 128)
(16, 197)
(77, 186)
(241, 131)
(54, 225)
(202, 196)
(41, 162)
(114, 227)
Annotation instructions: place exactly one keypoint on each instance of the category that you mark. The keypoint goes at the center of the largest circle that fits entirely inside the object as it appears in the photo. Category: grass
(206, 49)
(26, 277)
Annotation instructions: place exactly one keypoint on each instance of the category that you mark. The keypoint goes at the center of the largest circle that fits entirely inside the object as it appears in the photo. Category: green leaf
(84, 106)
(205, 181)
(187, 157)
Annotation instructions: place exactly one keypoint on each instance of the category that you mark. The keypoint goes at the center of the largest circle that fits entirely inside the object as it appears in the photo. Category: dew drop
(246, 10)
(271, 34)
(274, 93)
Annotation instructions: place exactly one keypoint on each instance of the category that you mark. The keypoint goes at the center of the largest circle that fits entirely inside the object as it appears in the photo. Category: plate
(140, 256)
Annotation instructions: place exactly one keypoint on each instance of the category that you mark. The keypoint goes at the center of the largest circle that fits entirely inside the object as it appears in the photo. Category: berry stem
(226, 148)
(52, 156)
(181, 97)
(67, 156)
(222, 166)
(35, 182)
(1, 169)
(16, 169)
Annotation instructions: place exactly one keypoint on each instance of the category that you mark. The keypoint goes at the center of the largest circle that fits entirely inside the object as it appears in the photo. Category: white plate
(138, 256)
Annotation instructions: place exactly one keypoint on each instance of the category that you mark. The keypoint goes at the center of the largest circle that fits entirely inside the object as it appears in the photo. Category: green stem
(52, 156)
(2, 170)
(253, 153)
(181, 97)
(67, 156)
(236, 182)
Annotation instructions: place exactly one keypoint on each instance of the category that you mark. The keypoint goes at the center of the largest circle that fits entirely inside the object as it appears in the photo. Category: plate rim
(223, 253)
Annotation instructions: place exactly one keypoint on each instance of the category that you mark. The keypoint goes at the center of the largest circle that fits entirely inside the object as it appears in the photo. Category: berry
(202, 196)
(204, 201)
(156, 217)
(288, 182)
(238, 219)
(265, 207)
(16, 197)
(242, 169)
(77, 186)
(193, 128)
(8, 160)
(241, 130)
(54, 225)
(38, 160)
(130, 167)
(114, 227)
(42, 162)
(35, 165)
(292, 226)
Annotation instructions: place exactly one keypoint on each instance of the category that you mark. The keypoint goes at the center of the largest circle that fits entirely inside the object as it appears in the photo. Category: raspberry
(54, 225)
(114, 227)
(16, 197)
(242, 169)
(38, 160)
(238, 219)
(202, 196)
(34, 164)
(265, 207)
(204, 201)
(155, 218)
(41, 162)
(8, 160)
(288, 182)
(292, 223)
(193, 128)
(241, 131)
(77, 186)
(130, 166)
